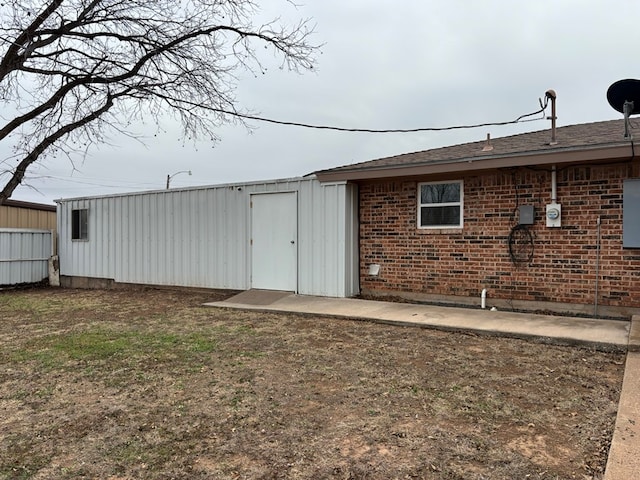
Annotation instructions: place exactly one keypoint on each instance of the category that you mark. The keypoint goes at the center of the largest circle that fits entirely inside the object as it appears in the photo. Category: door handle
(292, 242)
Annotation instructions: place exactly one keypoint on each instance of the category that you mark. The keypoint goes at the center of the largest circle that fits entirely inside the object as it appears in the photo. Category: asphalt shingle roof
(572, 137)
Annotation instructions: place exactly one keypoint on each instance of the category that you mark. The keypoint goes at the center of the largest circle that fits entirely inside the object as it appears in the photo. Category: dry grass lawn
(149, 384)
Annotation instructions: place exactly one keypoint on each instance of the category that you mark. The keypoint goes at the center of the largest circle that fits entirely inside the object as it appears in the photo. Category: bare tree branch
(46, 143)
(61, 64)
(18, 51)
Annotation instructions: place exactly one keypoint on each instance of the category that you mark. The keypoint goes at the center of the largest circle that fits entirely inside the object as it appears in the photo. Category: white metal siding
(199, 237)
(24, 255)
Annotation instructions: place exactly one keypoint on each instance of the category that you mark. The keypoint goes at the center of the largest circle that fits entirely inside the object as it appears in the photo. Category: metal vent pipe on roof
(627, 108)
(487, 146)
(551, 95)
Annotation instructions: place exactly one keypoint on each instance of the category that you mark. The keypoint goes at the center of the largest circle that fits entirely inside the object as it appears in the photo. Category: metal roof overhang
(29, 205)
(609, 153)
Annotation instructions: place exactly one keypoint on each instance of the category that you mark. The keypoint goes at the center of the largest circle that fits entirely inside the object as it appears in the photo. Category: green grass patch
(34, 306)
(120, 348)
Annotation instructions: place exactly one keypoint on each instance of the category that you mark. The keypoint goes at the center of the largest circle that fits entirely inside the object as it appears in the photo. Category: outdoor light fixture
(169, 177)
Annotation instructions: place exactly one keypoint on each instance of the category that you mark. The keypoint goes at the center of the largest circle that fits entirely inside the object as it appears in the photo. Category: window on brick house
(440, 204)
(79, 224)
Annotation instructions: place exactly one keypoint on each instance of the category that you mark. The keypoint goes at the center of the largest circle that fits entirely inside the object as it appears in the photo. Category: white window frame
(443, 204)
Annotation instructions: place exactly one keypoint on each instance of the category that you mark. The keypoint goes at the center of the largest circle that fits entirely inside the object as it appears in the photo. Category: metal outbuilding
(20, 214)
(294, 235)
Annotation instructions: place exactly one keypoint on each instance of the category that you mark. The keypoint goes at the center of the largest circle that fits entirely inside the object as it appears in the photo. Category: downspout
(598, 235)
(483, 298)
(359, 239)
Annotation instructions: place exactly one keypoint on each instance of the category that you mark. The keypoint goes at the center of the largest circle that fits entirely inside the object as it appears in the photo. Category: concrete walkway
(565, 329)
(624, 455)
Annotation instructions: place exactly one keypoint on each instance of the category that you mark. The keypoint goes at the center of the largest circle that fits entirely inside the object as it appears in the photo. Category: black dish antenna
(624, 96)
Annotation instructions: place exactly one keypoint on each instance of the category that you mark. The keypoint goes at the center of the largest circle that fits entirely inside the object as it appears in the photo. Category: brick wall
(461, 262)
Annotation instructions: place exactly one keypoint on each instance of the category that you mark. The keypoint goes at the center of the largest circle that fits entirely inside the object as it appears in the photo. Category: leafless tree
(74, 71)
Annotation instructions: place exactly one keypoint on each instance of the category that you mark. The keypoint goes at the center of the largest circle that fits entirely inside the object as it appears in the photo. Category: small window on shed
(440, 205)
(631, 213)
(79, 224)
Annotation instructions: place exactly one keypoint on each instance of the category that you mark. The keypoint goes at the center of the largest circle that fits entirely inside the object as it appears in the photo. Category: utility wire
(520, 119)
(257, 118)
(81, 182)
(85, 178)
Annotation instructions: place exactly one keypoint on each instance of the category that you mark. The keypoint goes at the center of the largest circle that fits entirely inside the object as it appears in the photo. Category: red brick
(463, 262)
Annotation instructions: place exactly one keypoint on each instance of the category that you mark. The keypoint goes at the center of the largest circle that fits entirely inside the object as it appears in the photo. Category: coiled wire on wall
(521, 245)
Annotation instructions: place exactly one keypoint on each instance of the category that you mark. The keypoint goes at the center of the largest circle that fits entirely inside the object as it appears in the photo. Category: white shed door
(274, 241)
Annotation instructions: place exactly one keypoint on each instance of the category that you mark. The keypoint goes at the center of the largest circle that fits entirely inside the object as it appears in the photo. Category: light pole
(169, 177)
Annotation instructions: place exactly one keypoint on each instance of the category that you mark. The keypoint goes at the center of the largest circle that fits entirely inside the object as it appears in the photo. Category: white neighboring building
(294, 235)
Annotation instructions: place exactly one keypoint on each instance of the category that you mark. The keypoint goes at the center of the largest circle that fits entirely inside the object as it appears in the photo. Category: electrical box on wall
(554, 215)
(526, 215)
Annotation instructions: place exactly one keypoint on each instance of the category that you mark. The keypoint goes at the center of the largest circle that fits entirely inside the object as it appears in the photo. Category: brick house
(548, 220)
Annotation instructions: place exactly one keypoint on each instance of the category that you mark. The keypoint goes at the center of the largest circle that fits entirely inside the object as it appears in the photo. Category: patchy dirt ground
(150, 385)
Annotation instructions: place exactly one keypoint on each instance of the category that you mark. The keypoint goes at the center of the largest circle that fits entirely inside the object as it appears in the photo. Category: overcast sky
(385, 64)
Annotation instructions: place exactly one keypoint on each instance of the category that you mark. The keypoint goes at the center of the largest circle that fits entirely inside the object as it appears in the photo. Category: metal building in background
(19, 214)
(294, 235)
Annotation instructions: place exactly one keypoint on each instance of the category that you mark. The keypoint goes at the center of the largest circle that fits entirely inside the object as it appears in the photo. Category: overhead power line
(116, 183)
(246, 116)
(521, 118)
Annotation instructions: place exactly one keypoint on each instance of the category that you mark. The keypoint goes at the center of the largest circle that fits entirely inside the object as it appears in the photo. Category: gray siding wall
(200, 237)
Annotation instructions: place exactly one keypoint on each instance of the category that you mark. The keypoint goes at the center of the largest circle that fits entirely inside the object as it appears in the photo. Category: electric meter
(554, 211)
